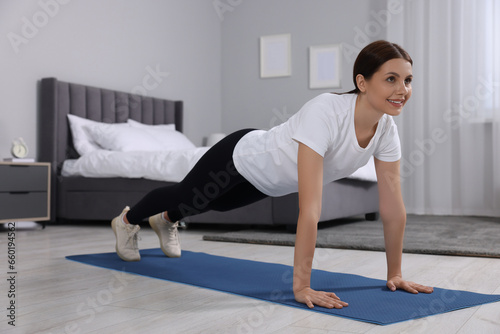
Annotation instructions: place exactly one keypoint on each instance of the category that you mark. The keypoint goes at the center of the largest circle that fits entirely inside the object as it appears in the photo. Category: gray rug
(438, 235)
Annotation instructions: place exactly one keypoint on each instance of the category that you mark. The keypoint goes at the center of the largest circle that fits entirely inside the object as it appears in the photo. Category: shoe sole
(113, 227)
(157, 231)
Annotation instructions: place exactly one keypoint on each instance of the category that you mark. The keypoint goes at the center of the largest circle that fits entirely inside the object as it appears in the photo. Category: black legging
(212, 184)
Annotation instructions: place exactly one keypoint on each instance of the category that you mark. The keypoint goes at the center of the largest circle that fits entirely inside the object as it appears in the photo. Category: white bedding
(161, 166)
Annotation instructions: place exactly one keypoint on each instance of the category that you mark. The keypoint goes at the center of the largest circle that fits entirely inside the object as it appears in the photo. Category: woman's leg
(212, 184)
(241, 195)
(210, 179)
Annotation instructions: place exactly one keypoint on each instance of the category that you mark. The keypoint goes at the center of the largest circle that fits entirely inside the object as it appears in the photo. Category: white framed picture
(275, 56)
(324, 66)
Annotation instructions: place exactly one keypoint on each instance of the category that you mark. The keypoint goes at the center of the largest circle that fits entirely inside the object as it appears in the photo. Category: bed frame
(81, 198)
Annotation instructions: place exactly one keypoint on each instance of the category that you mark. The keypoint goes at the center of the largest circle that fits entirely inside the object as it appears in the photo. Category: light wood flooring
(54, 295)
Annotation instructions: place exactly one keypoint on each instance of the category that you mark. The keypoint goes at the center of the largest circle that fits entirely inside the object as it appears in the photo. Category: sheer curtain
(450, 129)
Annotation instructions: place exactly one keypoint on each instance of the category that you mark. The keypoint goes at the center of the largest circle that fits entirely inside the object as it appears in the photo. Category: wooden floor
(54, 295)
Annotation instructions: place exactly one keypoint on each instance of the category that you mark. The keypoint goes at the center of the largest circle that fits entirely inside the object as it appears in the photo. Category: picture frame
(275, 56)
(325, 66)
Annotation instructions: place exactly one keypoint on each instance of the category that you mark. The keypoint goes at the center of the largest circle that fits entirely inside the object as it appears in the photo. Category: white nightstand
(24, 191)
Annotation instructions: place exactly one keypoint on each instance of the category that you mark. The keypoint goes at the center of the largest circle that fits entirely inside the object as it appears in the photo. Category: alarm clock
(19, 148)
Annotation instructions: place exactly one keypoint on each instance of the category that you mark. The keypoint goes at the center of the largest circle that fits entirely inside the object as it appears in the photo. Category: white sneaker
(167, 233)
(126, 238)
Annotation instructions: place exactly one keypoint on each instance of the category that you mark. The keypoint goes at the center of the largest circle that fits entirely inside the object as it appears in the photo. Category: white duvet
(161, 166)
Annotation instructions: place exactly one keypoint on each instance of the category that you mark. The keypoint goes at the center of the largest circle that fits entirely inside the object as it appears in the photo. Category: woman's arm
(310, 175)
(393, 215)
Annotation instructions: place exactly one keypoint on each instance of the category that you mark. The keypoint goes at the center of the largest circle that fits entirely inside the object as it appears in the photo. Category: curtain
(450, 128)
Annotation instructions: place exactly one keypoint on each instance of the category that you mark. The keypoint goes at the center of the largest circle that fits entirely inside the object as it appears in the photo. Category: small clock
(19, 148)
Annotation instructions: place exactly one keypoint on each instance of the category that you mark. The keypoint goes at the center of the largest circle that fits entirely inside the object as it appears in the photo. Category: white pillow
(165, 134)
(82, 142)
(136, 124)
(122, 137)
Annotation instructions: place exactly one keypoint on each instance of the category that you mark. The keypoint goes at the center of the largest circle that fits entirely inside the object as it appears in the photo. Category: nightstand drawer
(23, 178)
(17, 206)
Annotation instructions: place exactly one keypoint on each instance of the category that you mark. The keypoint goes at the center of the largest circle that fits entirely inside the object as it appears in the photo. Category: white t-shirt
(268, 159)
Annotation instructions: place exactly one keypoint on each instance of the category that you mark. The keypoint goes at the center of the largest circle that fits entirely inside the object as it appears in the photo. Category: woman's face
(389, 88)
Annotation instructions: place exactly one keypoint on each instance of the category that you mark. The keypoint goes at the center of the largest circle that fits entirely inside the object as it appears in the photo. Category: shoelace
(172, 236)
(133, 236)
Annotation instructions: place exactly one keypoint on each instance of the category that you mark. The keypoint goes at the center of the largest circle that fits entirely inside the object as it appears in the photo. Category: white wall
(111, 44)
(248, 100)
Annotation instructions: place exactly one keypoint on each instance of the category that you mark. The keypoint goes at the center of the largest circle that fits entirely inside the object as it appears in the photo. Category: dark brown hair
(373, 56)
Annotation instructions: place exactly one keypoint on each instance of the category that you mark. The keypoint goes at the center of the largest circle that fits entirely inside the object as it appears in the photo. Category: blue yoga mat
(369, 299)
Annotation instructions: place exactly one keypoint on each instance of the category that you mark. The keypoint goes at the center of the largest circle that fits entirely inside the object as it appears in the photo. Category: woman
(329, 138)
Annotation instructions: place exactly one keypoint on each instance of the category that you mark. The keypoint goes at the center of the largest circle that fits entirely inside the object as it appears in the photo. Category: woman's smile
(398, 103)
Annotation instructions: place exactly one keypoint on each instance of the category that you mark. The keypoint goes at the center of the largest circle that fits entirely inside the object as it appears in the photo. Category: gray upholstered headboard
(58, 99)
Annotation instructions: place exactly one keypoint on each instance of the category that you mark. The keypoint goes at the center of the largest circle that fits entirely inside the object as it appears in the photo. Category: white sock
(163, 218)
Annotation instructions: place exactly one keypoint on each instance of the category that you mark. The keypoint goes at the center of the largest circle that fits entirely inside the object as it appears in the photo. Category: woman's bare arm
(393, 215)
(310, 175)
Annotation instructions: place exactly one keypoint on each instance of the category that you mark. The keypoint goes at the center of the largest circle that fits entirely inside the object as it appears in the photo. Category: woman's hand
(397, 282)
(311, 297)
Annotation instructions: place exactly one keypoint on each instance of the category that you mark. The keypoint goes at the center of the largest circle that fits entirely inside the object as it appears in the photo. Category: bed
(84, 198)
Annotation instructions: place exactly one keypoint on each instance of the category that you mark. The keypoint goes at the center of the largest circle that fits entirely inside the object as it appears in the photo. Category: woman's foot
(168, 235)
(126, 238)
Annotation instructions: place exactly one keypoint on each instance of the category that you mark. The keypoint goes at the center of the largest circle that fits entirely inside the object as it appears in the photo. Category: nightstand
(24, 191)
